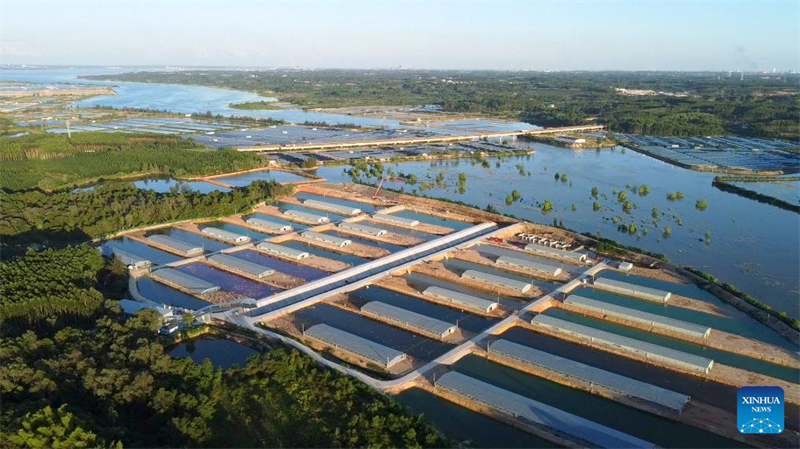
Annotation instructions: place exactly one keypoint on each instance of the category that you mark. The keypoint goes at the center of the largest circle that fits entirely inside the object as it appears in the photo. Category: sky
(502, 35)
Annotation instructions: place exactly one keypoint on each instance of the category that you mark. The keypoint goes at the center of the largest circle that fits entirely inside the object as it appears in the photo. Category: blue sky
(507, 35)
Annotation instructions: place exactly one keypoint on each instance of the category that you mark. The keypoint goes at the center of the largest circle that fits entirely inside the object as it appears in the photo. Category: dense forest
(52, 161)
(681, 104)
(49, 288)
(35, 217)
(108, 382)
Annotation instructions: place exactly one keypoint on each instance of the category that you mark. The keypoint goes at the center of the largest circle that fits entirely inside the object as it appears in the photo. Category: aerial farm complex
(405, 293)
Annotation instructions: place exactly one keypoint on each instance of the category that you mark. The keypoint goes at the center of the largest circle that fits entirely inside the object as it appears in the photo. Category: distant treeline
(682, 104)
(52, 161)
(33, 217)
(724, 183)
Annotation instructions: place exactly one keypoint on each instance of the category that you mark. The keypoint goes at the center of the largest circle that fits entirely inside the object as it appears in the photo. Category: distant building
(625, 266)
(130, 307)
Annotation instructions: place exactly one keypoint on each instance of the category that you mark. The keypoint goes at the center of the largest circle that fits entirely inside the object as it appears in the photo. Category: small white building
(625, 266)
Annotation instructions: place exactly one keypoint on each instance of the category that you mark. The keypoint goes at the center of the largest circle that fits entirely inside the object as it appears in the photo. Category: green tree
(57, 429)
(310, 162)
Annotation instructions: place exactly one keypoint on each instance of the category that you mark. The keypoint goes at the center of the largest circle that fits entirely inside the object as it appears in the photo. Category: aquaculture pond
(210, 245)
(788, 191)
(163, 185)
(661, 431)
(281, 266)
(727, 358)
(241, 230)
(702, 390)
(412, 344)
(470, 429)
(164, 294)
(228, 281)
(140, 249)
(244, 179)
(364, 241)
(223, 353)
(749, 243)
(733, 321)
(369, 208)
(317, 251)
(465, 320)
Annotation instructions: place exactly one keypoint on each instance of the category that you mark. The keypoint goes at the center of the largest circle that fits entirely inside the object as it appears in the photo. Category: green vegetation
(724, 183)
(644, 189)
(50, 288)
(615, 249)
(596, 206)
(672, 196)
(547, 207)
(53, 161)
(622, 196)
(701, 204)
(595, 192)
(515, 195)
(9, 128)
(627, 206)
(115, 385)
(62, 217)
(310, 162)
(462, 183)
(258, 105)
(783, 316)
(681, 104)
(667, 231)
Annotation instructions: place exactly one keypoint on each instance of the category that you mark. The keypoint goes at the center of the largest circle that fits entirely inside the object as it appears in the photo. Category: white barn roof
(186, 281)
(180, 246)
(363, 229)
(494, 279)
(636, 291)
(281, 250)
(332, 207)
(355, 345)
(422, 324)
(395, 220)
(271, 225)
(241, 265)
(461, 299)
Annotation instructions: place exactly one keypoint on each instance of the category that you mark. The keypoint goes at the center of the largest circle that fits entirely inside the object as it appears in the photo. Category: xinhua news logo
(760, 410)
